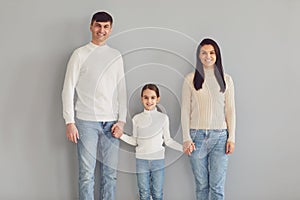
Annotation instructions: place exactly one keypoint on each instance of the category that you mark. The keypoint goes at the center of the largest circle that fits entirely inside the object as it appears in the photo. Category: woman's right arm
(186, 99)
(186, 110)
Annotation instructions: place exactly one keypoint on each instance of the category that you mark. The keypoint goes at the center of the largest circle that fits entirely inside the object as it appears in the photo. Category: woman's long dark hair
(218, 69)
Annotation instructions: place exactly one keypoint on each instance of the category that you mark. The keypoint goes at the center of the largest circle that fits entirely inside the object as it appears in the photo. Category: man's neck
(99, 43)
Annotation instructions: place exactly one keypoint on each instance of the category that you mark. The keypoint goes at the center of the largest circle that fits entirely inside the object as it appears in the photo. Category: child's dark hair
(150, 86)
(102, 17)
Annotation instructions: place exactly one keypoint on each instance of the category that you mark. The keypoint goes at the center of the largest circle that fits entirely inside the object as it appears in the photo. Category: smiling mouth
(100, 34)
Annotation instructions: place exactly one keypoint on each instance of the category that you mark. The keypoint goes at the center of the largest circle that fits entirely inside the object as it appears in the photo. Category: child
(150, 131)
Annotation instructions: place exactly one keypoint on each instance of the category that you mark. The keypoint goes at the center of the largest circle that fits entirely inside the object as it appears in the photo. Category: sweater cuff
(68, 121)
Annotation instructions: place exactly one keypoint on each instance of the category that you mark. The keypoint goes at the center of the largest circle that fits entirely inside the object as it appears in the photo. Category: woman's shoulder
(228, 79)
(190, 75)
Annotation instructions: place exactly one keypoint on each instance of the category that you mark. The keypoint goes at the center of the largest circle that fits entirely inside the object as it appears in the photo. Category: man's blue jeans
(150, 177)
(209, 163)
(97, 143)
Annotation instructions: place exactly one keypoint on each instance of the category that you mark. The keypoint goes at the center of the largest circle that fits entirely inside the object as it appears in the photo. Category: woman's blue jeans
(150, 178)
(97, 143)
(209, 163)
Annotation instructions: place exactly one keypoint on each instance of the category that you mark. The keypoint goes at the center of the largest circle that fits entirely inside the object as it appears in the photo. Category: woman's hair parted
(150, 86)
(218, 69)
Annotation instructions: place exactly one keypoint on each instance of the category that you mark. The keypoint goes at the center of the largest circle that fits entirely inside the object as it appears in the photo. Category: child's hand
(188, 147)
(117, 129)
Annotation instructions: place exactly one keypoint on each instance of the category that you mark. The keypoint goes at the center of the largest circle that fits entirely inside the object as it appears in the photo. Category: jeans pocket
(107, 125)
(223, 134)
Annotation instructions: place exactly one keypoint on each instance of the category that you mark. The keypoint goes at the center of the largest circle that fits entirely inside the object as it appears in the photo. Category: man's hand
(72, 132)
(117, 129)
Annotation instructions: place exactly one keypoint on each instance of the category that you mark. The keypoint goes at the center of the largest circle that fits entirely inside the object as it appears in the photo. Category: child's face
(149, 99)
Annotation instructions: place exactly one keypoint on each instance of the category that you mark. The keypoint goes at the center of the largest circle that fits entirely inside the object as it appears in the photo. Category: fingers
(113, 128)
(73, 137)
(117, 133)
(72, 133)
(119, 125)
(229, 148)
(188, 147)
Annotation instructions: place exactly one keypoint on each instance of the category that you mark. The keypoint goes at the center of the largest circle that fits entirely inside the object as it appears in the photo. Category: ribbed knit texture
(208, 108)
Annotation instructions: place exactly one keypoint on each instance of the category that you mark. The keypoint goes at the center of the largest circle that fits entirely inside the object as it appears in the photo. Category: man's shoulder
(113, 50)
(85, 48)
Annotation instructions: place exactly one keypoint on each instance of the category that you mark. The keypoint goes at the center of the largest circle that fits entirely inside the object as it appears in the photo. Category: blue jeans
(209, 163)
(97, 143)
(150, 178)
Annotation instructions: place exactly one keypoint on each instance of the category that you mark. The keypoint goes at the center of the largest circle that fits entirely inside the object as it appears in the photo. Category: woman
(208, 121)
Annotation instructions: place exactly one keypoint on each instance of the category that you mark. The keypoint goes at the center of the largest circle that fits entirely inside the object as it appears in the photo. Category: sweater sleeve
(122, 95)
(186, 110)
(68, 92)
(167, 138)
(230, 110)
(132, 140)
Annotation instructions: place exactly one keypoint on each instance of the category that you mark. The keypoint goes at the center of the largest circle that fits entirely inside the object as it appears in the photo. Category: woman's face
(208, 56)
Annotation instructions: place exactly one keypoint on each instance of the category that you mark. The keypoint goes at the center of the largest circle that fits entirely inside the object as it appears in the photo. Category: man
(95, 76)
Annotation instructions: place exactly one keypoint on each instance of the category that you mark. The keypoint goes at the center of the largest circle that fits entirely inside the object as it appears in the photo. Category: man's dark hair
(102, 17)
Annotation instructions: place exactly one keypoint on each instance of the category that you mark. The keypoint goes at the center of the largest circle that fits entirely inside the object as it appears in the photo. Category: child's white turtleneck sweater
(150, 131)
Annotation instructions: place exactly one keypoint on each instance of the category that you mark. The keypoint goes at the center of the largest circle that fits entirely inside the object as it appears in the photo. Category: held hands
(188, 147)
(72, 132)
(117, 129)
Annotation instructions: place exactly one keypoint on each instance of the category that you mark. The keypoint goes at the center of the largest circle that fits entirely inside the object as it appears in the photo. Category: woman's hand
(188, 147)
(229, 147)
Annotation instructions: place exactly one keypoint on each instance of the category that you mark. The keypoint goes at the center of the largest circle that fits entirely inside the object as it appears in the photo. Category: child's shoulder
(137, 116)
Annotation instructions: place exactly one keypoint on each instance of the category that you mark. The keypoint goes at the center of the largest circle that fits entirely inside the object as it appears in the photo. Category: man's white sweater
(96, 75)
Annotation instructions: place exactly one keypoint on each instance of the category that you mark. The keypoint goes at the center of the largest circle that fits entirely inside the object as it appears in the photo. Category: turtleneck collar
(150, 111)
(95, 45)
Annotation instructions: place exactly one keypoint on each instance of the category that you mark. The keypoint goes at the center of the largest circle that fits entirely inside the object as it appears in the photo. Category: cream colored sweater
(208, 108)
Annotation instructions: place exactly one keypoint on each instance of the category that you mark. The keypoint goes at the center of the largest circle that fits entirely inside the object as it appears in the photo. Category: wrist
(70, 124)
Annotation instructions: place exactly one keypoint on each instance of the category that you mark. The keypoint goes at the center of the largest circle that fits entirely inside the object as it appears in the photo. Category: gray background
(259, 41)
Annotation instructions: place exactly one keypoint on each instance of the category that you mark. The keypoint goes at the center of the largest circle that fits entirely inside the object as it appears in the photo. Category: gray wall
(259, 40)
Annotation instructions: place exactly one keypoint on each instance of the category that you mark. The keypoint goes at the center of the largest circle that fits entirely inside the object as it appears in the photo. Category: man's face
(100, 31)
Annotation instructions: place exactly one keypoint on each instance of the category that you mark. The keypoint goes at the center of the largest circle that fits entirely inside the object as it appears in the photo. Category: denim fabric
(209, 163)
(96, 143)
(150, 177)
